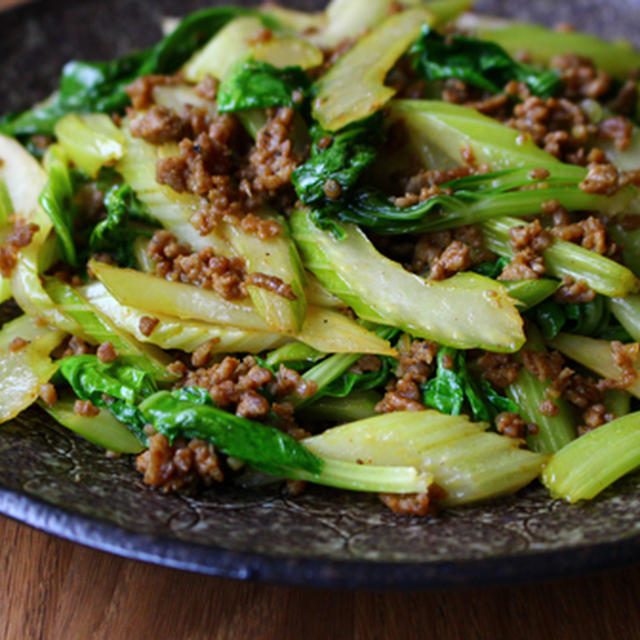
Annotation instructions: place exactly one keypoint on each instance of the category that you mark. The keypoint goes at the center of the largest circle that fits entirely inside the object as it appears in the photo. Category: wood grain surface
(51, 589)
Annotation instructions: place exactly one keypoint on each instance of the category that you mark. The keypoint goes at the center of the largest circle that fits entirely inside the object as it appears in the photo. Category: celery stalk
(630, 243)
(554, 432)
(593, 354)
(617, 402)
(6, 206)
(103, 429)
(627, 313)
(468, 463)
(90, 140)
(354, 87)
(529, 293)
(465, 311)
(293, 352)
(591, 463)
(356, 406)
(567, 259)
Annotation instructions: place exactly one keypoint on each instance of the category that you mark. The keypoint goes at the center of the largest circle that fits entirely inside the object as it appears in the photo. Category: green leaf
(260, 85)
(480, 63)
(114, 235)
(187, 413)
(348, 382)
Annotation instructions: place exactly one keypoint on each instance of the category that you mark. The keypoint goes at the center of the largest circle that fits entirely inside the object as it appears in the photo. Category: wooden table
(53, 590)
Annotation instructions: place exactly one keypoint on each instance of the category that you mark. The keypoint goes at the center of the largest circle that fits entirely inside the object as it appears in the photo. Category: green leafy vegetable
(114, 235)
(259, 85)
(340, 157)
(453, 385)
(191, 413)
(492, 269)
(100, 86)
(480, 63)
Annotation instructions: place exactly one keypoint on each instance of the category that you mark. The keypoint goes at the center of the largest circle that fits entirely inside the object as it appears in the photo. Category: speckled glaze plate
(54, 481)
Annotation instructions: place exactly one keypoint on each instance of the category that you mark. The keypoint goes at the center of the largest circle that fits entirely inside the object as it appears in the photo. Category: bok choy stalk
(100, 329)
(91, 141)
(567, 259)
(173, 333)
(354, 87)
(528, 393)
(356, 406)
(465, 311)
(479, 63)
(23, 371)
(593, 354)
(99, 87)
(104, 429)
(468, 463)
(588, 465)
(324, 329)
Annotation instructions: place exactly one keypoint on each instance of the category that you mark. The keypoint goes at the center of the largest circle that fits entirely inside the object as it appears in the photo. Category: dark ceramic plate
(56, 482)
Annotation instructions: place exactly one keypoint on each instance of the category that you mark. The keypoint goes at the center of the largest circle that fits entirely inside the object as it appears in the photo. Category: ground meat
(558, 213)
(48, 394)
(17, 344)
(147, 324)
(272, 159)
(176, 262)
(264, 228)
(590, 233)
(602, 179)
(202, 354)
(414, 504)
(625, 357)
(548, 408)
(500, 369)
(454, 259)
(270, 283)
(595, 416)
(19, 237)
(76, 347)
(415, 365)
(185, 463)
(581, 78)
(366, 364)
(618, 129)
(85, 408)
(425, 184)
(511, 425)
(141, 89)
(573, 292)
(626, 100)
(106, 352)
(158, 125)
(207, 88)
(527, 242)
(294, 487)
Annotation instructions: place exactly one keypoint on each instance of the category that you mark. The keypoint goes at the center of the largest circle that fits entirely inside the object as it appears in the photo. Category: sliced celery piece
(529, 293)
(354, 87)
(358, 405)
(627, 313)
(171, 209)
(294, 21)
(101, 329)
(230, 45)
(293, 351)
(437, 128)
(276, 257)
(91, 140)
(103, 429)
(23, 327)
(468, 463)
(172, 333)
(588, 465)
(567, 259)
(466, 311)
(554, 432)
(288, 51)
(177, 96)
(593, 354)
(318, 296)
(22, 372)
(541, 44)
(630, 243)
(6, 206)
(617, 402)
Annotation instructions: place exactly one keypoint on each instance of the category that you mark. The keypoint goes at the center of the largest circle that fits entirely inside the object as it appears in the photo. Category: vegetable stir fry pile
(381, 248)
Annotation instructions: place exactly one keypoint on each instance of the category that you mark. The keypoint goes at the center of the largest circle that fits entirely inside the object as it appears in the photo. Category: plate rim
(106, 536)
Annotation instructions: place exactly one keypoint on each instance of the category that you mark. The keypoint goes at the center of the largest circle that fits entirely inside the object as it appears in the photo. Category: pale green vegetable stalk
(6, 207)
(101, 329)
(293, 351)
(469, 464)
(588, 465)
(627, 313)
(172, 333)
(323, 329)
(441, 130)
(529, 293)
(287, 51)
(465, 311)
(554, 432)
(91, 140)
(593, 354)
(294, 21)
(630, 243)
(23, 372)
(358, 405)
(567, 259)
(276, 257)
(617, 402)
(354, 87)
(170, 208)
(102, 429)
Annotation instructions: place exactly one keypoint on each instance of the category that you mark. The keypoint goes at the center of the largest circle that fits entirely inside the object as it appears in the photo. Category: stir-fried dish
(388, 247)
